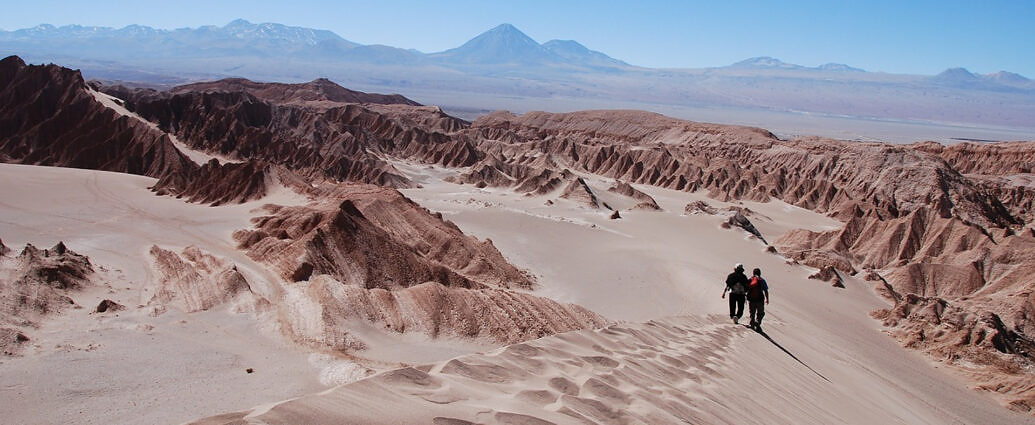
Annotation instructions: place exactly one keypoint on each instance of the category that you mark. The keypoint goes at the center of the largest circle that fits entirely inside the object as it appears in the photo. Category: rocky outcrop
(544, 182)
(366, 254)
(425, 117)
(430, 308)
(577, 190)
(738, 219)
(374, 238)
(48, 117)
(12, 341)
(967, 334)
(699, 207)
(319, 92)
(38, 282)
(646, 201)
(230, 183)
(1016, 192)
(742, 163)
(962, 293)
(997, 159)
(107, 305)
(194, 280)
(1004, 170)
(828, 274)
(344, 142)
(435, 239)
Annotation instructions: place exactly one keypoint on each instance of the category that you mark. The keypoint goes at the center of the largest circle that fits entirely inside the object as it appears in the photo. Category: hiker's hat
(738, 266)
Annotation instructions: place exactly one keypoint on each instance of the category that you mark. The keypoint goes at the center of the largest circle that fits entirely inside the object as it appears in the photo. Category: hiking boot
(735, 320)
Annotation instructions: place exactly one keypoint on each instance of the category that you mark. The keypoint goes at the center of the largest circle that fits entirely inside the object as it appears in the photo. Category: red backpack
(755, 288)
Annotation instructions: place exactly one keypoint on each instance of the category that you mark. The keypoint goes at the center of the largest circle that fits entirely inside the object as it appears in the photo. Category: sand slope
(668, 371)
(677, 358)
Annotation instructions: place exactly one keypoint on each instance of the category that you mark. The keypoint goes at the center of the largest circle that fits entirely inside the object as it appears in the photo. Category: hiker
(758, 290)
(737, 285)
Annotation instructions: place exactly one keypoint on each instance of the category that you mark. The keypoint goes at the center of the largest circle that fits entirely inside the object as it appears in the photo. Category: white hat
(739, 266)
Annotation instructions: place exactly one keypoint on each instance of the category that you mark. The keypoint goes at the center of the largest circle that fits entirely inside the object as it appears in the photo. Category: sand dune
(670, 371)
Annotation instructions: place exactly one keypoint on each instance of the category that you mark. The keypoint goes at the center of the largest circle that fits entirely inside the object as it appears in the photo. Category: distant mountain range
(504, 64)
(766, 62)
(504, 45)
(960, 77)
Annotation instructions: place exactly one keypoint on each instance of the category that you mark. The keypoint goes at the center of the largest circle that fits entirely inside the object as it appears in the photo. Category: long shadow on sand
(761, 332)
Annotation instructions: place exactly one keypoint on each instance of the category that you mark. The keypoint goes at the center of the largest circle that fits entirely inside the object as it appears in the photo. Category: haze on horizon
(920, 37)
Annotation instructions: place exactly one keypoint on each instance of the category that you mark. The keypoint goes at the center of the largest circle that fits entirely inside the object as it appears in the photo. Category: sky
(904, 36)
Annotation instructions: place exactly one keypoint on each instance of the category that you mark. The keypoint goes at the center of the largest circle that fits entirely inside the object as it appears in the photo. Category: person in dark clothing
(757, 291)
(737, 285)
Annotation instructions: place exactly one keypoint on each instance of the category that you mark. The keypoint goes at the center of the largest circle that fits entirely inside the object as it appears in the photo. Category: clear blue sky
(917, 37)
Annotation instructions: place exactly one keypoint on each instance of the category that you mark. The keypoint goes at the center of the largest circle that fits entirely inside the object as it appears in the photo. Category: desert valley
(229, 251)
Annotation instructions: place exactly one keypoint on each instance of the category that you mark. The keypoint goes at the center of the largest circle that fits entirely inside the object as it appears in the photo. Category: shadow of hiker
(761, 332)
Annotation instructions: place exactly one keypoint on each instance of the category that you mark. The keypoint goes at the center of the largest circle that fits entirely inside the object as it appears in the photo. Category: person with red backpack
(757, 291)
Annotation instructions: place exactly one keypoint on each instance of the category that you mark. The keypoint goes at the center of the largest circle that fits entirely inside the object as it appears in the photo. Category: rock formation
(966, 333)
(699, 207)
(373, 237)
(38, 282)
(577, 190)
(429, 308)
(319, 92)
(738, 219)
(107, 305)
(366, 253)
(48, 117)
(646, 201)
(194, 280)
(1002, 169)
(12, 341)
(338, 141)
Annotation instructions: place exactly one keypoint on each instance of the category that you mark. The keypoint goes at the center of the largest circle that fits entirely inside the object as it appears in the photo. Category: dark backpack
(736, 284)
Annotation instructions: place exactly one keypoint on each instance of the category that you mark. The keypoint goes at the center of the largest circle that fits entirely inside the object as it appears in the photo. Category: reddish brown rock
(699, 207)
(738, 219)
(367, 253)
(48, 117)
(194, 280)
(430, 308)
(39, 282)
(828, 274)
(967, 334)
(12, 341)
(375, 238)
(108, 305)
(577, 190)
(319, 92)
(647, 202)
